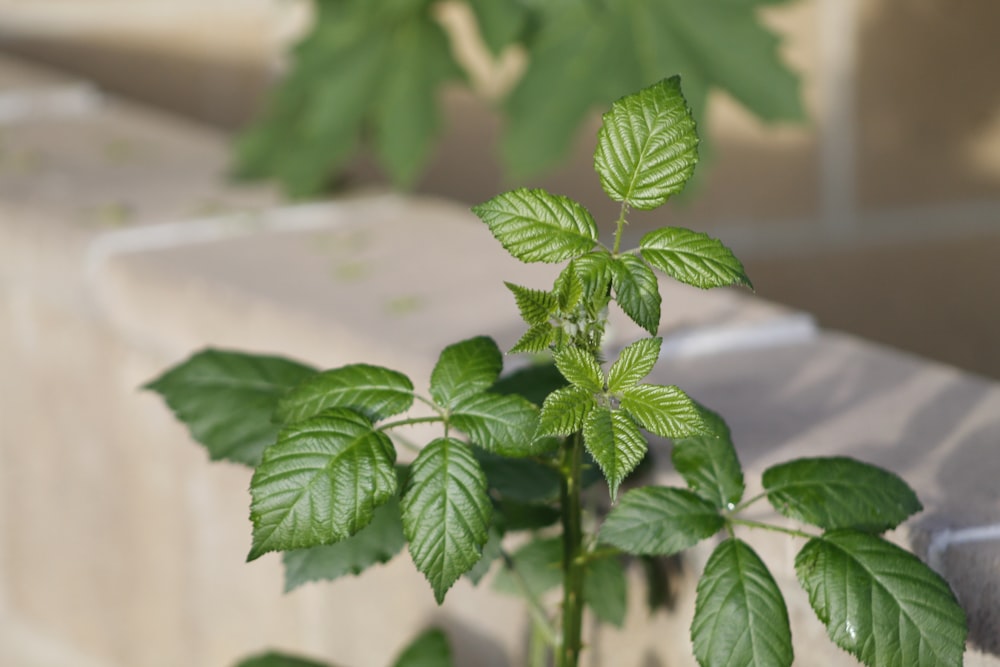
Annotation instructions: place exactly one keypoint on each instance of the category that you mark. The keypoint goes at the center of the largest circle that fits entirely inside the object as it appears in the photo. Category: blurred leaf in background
(370, 73)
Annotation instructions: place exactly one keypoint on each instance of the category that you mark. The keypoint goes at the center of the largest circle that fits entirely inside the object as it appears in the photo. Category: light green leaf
(605, 590)
(594, 273)
(568, 288)
(614, 441)
(502, 424)
(539, 568)
(276, 659)
(740, 618)
(536, 339)
(580, 368)
(839, 492)
(465, 369)
(659, 521)
(664, 410)
(320, 483)
(634, 363)
(536, 306)
(378, 542)
(535, 226)
(709, 465)
(226, 399)
(693, 258)
(522, 480)
(375, 391)
(430, 649)
(446, 512)
(647, 146)
(637, 291)
(880, 603)
(565, 410)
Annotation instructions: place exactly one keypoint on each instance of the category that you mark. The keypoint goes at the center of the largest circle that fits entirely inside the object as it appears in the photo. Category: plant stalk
(573, 557)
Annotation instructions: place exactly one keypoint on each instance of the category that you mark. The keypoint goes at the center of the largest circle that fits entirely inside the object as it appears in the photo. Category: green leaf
(226, 399)
(535, 226)
(464, 370)
(522, 480)
(740, 618)
(533, 382)
(378, 542)
(375, 391)
(634, 363)
(659, 521)
(709, 465)
(880, 603)
(568, 288)
(605, 590)
(693, 258)
(839, 492)
(614, 441)
(492, 550)
(565, 410)
(275, 659)
(594, 271)
(637, 292)
(580, 368)
(502, 424)
(500, 22)
(536, 306)
(320, 483)
(539, 568)
(647, 146)
(666, 411)
(430, 649)
(446, 513)
(516, 516)
(536, 339)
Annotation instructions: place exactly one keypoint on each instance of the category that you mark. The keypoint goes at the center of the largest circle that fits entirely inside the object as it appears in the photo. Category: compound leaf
(647, 146)
(580, 368)
(615, 442)
(226, 399)
(839, 492)
(535, 226)
(446, 512)
(378, 542)
(634, 363)
(430, 649)
(664, 410)
(465, 369)
(709, 465)
(375, 391)
(565, 410)
(880, 603)
(499, 423)
(740, 618)
(320, 483)
(637, 291)
(659, 521)
(693, 258)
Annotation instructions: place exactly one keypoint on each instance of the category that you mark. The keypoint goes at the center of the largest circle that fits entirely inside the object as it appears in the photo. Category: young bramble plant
(516, 452)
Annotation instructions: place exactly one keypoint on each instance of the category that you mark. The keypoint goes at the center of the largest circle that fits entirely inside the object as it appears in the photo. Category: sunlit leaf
(465, 369)
(564, 411)
(634, 363)
(536, 306)
(637, 292)
(615, 442)
(664, 410)
(377, 392)
(693, 258)
(580, 368)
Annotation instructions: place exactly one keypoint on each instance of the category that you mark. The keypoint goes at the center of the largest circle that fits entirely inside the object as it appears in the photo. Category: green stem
(767, 526)
(573, 557)
(620, 226)
(747, 503)
(409, 421)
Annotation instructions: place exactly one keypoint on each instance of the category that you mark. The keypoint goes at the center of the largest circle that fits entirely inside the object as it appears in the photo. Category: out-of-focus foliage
(370, 73)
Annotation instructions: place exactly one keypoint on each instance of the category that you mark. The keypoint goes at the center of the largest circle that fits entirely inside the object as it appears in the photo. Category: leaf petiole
(769, 526)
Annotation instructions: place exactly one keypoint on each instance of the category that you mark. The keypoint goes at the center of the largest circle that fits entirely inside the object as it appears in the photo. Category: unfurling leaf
(659, 521)
(465, 369)
(375, 391)
(446, 512)
(666, 411)
(615, 442)
(500, 423)
(535, 226)
(226, 399)
(320, 483)
(740, 618)
(647, 146)
(880, 603)
(693, 258)
(536, 306)
(634, 363)
(637, 291)
(709, 465)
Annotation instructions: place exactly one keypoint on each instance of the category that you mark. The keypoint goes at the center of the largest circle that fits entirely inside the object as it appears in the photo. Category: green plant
(517, 451)
(371, 73)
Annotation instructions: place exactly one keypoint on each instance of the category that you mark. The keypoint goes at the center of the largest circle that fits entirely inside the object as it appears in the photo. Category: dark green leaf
(740, 619)
(709, 465)
(536, 306)
(539, 568)
(605, 590)
(880, 603)
(375, 391)
(580, 368)
(693, 258)
(637, 292)
(533, 382)
(838, 492)
(275, 659)
(492, 550)
(526, 516)
(536, 339)
(376, 543)
(320, 483)
(634, 363)
(535, 226)
(226, 399)
(522, 480)
(666, 411)
(428, 650)
(502, 424)
(446, 513)
(647, 146)
(465, 369)
(565, 410)
(657, 520)
(614, 441)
